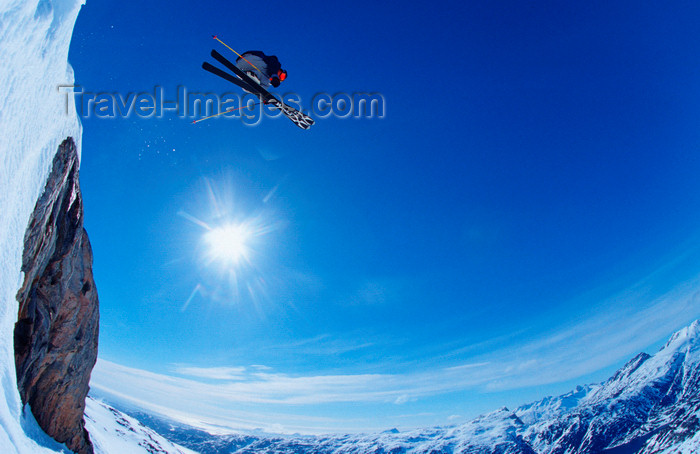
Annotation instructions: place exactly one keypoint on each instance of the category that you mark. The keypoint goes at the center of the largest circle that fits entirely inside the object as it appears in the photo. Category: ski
(226, 76)
(256, 89)
(298, 118)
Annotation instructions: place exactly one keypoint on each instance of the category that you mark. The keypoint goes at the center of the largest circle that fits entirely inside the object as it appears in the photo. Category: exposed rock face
(57, 328)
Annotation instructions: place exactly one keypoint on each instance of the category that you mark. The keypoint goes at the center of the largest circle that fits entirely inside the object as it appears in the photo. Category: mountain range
(650, 405)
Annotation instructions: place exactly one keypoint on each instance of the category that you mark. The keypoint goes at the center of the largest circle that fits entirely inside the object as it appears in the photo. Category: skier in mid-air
(264, 69)
(254, 72)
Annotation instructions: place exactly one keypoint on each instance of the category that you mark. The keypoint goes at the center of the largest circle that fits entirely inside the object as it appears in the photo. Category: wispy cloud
(212, 373)
(604, 339)
(322, 345)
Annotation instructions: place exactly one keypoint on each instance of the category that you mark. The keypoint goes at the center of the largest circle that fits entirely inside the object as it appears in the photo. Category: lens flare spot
(229, 243)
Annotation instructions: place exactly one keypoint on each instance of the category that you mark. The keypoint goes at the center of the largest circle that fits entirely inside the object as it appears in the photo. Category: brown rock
(57, 328)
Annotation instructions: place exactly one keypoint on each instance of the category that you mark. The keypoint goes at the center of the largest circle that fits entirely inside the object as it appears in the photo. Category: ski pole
(221, 113)
(217, 38)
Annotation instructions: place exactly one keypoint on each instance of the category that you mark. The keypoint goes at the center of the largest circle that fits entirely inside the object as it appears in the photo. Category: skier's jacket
(268, 65)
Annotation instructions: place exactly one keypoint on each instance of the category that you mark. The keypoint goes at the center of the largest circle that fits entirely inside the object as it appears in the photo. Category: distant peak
(683, 337)
(629, 368)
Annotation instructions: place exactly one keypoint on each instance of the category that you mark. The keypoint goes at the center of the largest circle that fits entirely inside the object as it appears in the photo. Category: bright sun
(229, 243)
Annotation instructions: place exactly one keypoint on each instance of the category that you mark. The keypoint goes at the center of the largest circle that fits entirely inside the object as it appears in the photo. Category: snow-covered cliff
(34, 40)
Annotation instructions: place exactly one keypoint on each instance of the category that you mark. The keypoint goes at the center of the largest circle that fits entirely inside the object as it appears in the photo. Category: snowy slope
(34, 40)
(113, 432)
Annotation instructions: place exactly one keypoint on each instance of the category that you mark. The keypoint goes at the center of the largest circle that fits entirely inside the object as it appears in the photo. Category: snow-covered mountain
(112, 431)
(651, 405)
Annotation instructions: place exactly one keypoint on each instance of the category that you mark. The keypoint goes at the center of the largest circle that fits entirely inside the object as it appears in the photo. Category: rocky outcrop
(57, 328)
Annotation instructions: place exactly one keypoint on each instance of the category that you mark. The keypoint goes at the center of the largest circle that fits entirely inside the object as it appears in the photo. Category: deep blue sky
(536, 166)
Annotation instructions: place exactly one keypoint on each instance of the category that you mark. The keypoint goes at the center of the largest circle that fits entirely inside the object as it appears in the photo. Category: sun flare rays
(230, 250)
